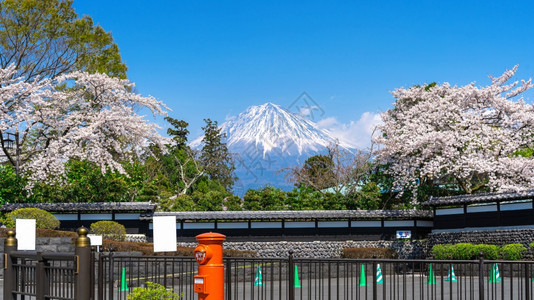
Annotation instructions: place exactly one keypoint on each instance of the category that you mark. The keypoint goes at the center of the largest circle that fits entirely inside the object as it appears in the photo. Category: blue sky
(214, 59)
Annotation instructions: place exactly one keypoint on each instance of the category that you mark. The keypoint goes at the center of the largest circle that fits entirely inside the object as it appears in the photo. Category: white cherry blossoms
(82, 116)
(464, 134)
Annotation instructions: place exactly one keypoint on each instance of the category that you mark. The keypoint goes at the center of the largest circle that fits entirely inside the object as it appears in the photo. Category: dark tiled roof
(480, 198)
(73, 207)
(298, 214)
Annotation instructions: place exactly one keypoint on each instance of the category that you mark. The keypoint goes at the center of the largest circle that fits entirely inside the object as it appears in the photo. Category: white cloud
(356, 134)
(306, 111)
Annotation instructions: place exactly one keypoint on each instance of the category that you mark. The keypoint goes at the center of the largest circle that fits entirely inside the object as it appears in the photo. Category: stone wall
(47, 244)
(496, 237)
(323, 249)
(407, 250)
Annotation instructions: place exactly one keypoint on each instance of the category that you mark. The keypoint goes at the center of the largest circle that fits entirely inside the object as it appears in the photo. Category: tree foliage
(215, 157)
(340, 171)
(468, 135)
(302, 198)
(46, 38)
(178, 133)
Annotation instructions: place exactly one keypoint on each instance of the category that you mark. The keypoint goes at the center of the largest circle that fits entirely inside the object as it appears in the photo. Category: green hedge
(512, 251)
(489, 251)
(43, 219)
(110, 230)
(468, 251)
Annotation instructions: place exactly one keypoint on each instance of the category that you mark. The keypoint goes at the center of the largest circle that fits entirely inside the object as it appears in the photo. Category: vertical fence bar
(228, 279)
(100, 276)
(375, 296)
(527, 282)
(291, 283)
(10, 245)
(481, 276)
(93, 272)
(110, 275)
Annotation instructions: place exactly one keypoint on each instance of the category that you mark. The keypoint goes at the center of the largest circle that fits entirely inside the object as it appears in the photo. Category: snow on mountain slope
(272, 128)
(267, 138)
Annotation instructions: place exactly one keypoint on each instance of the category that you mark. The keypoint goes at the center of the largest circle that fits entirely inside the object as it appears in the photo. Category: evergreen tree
(179, 133)
(214, 157)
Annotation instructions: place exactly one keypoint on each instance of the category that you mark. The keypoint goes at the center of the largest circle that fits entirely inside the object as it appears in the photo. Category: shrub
(43, 219)
(467, 251)
(531, 245)
(488, 251)
(152, 291)
(443, 252)
(464, 251)
(512, 251)
(369, 253)
(110, 230)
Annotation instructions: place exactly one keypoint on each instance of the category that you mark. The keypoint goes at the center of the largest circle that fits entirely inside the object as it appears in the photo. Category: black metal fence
(314, 279)
(37, 275)
(50, 275)
(110, 276)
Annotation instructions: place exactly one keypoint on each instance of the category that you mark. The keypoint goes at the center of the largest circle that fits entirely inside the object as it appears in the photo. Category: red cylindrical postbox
(209, 283)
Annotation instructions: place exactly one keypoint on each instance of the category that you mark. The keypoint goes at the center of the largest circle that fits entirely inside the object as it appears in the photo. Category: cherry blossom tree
(471, 135)
(83, 116)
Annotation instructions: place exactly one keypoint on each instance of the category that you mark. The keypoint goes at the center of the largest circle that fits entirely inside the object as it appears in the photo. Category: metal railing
(37, 275)
(315, 279)
(86, 275)
(43, 275)
(170, 271)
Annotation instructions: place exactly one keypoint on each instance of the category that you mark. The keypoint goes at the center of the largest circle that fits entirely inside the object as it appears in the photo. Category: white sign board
(164, 233)
(25, 234)
(96, 240)
(406, 234)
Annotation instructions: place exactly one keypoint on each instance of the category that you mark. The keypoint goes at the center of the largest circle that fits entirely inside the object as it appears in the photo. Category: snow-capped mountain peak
(266, 139)
(270, 127)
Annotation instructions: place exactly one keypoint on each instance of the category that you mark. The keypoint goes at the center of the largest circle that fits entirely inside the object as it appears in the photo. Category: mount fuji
(266, 139)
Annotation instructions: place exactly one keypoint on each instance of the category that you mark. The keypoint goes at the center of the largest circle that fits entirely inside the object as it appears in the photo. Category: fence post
(481, 276)
(83, 267)
(291, 276)
(527, 282)
(375, 296)
(100, 276)
(40, 279)
(111, 277)
(228, 278)
(10, 245)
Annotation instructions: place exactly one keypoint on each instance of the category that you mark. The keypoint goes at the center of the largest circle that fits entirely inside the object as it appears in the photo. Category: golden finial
(82, 240)
(11, 240)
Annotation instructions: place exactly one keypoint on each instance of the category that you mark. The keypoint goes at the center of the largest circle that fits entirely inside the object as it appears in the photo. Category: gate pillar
(82, 254)
(10, 245)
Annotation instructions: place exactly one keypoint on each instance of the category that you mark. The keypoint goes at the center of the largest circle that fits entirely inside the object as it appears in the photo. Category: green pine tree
(215, 157)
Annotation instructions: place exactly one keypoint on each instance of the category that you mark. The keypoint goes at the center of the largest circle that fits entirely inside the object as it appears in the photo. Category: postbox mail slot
(200, 284)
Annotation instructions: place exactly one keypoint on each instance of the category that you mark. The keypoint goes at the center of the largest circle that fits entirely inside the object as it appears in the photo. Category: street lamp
(8, 144)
